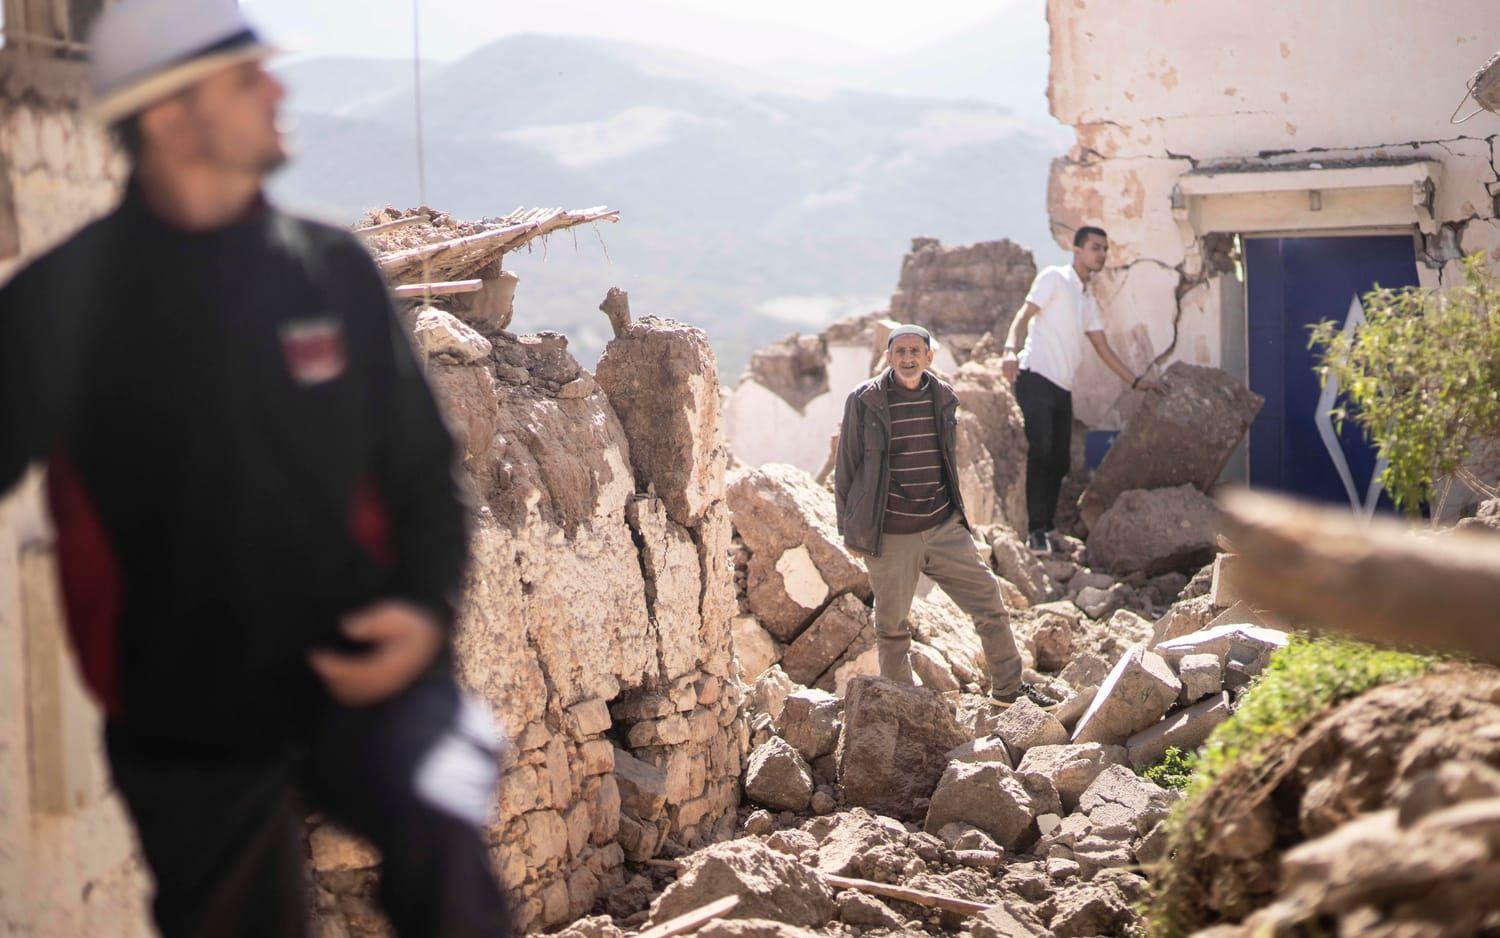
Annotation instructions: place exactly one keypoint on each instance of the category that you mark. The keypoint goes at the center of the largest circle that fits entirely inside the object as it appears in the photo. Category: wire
(416, 95)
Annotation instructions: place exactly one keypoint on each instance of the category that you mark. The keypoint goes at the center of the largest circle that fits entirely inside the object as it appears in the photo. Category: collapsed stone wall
(791, 398)
(596, 622)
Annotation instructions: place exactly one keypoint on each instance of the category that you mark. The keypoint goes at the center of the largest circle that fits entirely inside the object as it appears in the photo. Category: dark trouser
(1048, 411)
(413, 775)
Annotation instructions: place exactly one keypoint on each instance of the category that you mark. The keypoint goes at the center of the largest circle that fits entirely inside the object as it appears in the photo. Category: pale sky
(757, 33)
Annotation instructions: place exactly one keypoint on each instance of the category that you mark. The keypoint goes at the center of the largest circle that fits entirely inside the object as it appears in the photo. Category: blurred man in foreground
(259, 533)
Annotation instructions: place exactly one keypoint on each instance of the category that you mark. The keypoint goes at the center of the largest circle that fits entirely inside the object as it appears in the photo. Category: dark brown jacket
(862, 472)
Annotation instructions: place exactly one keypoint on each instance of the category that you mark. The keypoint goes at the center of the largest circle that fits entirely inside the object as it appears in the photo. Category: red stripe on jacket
(370, 522)
(91, 582)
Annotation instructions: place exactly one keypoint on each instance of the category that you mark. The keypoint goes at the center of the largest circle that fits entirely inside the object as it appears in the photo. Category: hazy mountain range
(749, 205)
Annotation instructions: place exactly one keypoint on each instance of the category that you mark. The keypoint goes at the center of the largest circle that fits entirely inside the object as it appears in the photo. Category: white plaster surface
(801, 579)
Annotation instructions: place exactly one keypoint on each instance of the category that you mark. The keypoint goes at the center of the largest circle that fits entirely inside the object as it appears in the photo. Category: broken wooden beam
(442, 288)
(690, 921)
(534, 225)
(383, 227)
(1375, 580)
(921, 897)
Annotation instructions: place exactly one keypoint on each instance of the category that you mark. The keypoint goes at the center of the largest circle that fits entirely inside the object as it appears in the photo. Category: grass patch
(1175, 770)
(1308, 677)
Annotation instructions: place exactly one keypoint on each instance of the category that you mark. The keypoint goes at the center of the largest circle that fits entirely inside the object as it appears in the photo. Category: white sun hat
(144, 51)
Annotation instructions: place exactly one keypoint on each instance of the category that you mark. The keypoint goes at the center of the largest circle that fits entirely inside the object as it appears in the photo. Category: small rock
(856, 908)
(753, 646)
(810, 722)
(1024, 725)
(823, 803)
(1201, 675)
(1053, 637)
(778, 777)
(1071, 768)
(983, 749)
(1186, 730)
(991, 797)
(441, 334)
(770, 692)
(1061, 870)
(1145, 802)
(793, 843)
(760, 822)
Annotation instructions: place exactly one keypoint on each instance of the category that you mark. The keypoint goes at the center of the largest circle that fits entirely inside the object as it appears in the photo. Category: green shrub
(1421, 377)
(1174, 770)
(1302, 681)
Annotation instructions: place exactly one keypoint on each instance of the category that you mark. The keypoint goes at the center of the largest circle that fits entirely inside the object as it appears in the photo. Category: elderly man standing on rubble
(259, 532)
(899, 505)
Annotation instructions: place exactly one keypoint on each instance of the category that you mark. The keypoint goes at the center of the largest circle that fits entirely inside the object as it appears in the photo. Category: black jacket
(241, 448)
(862, 470)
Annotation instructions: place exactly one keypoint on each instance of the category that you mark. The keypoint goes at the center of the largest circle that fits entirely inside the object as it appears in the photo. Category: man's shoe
(1037, 541)
(1031, 692)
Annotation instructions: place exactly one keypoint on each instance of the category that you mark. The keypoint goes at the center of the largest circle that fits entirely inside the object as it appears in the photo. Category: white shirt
(1054, 341)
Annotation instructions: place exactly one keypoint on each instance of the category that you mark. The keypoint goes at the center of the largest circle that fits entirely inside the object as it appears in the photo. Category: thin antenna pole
(416, 76)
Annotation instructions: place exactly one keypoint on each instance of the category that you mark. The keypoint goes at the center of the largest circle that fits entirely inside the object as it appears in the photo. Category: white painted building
(1258, 167)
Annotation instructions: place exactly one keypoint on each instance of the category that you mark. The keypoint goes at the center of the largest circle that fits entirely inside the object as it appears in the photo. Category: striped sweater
(918, 498)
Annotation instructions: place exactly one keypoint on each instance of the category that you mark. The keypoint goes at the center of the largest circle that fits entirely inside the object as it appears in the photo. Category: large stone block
(753, 646)
(1201, 675)
(797, 559)
(1071, 768)
(662, 380)
(1138, 692)
(1144, 802)
(892, 748)
(769, 884)
(1152, 532)
(1182, 436)
(826, 640)
(991, 797)
(1249, 644)
(983, 392)
(1186, 729)
(1018, 565)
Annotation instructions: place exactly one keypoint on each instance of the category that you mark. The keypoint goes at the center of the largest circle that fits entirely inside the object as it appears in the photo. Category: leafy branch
(1421, 377)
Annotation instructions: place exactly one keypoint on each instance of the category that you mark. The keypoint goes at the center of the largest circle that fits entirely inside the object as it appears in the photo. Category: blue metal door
(1294, 283)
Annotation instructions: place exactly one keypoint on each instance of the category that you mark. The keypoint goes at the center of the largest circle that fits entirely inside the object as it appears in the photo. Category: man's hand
(1010, 367)
(404, 640)
(1147, 383)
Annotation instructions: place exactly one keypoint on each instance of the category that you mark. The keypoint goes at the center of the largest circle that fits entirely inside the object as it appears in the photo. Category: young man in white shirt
(1042, 353)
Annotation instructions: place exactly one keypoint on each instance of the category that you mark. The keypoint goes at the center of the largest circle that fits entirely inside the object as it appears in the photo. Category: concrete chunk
(891, 751)
(1249, 643)
(1153, 532)
(1186, 729)
(1024, 725)
(1201, 675)
(1182, 436)
(826, 639)
(1137, 693)
(778, 777)
(810, 722)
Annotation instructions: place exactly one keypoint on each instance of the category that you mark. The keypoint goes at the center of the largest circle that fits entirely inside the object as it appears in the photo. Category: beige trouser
(947, 554)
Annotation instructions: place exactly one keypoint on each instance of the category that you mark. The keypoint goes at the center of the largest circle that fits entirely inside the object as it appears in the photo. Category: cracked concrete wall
(68, 863)
(1157, 88)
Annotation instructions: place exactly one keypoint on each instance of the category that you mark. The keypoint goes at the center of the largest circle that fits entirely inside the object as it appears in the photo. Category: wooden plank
(690, 922)
(442, 288)
(382, 228)
(1373, 580)
(915, 896)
